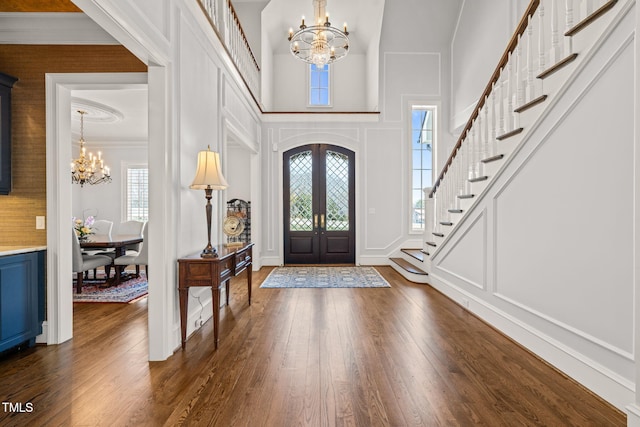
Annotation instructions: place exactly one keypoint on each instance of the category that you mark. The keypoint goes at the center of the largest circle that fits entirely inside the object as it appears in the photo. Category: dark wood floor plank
(404, 355)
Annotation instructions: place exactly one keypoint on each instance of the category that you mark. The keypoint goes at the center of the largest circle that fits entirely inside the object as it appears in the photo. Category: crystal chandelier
(321, 43)
(88, 170)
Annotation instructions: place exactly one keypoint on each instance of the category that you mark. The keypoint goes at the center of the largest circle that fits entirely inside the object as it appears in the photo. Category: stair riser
(411, 277)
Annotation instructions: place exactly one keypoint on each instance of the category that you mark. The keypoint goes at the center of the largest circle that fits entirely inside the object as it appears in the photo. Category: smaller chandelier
(91, 169)
(319, 44)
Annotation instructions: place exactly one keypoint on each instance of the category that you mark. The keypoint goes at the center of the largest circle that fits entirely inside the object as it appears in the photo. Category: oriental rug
(325, 277)
(125, 292)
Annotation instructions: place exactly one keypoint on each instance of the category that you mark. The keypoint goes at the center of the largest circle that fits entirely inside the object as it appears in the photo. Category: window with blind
(137, 193)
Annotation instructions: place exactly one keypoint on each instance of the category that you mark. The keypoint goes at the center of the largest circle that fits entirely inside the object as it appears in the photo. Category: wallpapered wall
(30, 63)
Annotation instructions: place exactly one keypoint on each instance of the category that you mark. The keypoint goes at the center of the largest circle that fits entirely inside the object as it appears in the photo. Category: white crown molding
(51, 28)
(346, 117)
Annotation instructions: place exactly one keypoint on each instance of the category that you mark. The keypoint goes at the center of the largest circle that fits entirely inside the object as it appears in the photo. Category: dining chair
(139, 258)
(132, 227)
(82, 263)
(102, 229)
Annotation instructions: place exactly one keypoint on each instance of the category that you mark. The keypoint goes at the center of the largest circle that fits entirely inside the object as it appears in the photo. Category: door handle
(315, 220)
(322, 224)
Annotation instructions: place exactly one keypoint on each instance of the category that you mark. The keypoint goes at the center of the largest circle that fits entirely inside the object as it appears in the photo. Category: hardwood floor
(312, 357)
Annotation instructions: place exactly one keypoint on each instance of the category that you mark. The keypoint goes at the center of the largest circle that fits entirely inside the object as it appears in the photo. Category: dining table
(118, 242)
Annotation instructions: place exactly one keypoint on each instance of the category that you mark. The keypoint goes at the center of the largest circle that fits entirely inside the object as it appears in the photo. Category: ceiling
(113, 116)
(363, 18)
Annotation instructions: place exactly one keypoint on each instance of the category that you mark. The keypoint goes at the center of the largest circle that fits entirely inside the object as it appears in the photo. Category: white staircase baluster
(586, 8)
(485, 121)
(568, 25)
(500, 95)
(519, 70)
(555, 54)
(467, 165)
(493, 148)
(530, 92)
(510, 108)
(541, 46)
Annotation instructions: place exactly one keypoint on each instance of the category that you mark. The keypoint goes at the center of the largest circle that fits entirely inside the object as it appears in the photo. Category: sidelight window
(422, 147)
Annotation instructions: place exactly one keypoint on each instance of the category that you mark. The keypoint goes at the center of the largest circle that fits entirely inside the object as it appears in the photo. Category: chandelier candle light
(319, 44)
(208, 178)
(84, 170)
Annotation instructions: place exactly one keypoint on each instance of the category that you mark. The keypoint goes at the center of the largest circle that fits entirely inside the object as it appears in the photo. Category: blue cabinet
(21, 289)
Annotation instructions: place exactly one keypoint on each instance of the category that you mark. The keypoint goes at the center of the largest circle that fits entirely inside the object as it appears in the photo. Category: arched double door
(319, 205)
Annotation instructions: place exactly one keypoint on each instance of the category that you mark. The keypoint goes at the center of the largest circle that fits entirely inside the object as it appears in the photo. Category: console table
(212, 272)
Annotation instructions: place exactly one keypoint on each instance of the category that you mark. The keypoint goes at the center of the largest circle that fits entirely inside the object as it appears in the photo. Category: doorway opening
(319, 205)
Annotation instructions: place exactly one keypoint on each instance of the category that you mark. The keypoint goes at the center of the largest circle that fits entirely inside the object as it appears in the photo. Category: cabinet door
(18, 299)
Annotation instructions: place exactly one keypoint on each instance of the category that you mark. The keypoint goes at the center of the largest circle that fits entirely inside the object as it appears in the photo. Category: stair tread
(530, 104)
(557, 66)
(509, 134)
(466, 196)
(455, 210)
(414, 253)
(478, 179)
(493, 158)
(433, 244)
(589, 19)
(438, 234)
(408, 266)
(449, 223)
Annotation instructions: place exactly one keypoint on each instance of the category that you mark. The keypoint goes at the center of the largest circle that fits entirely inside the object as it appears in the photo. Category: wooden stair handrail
(513, 43)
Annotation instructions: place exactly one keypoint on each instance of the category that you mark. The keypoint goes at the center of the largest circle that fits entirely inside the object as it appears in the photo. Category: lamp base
(209, 252)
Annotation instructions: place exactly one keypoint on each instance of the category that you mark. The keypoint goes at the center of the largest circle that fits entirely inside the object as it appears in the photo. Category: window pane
(315, 96)
(319, 85)
(417, 159)
(417, 179)
(301, 192)
(324, 97)
(323, 79)
(137, 194)
(426, 178)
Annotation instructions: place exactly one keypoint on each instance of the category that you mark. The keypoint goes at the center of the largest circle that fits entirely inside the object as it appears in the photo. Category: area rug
(125, 292)
(325, 277)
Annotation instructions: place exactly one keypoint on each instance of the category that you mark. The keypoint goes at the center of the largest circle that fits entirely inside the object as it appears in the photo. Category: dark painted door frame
(319, 242)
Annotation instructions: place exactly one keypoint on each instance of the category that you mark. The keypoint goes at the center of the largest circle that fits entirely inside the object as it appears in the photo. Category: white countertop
(14, 250)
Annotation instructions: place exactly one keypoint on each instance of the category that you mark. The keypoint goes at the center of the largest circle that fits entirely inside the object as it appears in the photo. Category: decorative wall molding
(610, 386)
(392, 108)
(587, 337)
(456, 240)
(293, 137)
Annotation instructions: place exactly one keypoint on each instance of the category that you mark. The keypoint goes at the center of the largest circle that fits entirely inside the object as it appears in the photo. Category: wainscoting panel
(465, 258)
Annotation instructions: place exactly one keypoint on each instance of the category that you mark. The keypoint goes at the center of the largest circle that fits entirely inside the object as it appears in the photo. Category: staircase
(521, 91)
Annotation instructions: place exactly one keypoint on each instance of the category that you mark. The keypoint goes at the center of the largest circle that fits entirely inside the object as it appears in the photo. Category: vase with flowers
(83, 228)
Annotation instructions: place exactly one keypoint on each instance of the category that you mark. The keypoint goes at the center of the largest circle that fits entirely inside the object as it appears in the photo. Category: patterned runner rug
(325, 277)
(125, 292)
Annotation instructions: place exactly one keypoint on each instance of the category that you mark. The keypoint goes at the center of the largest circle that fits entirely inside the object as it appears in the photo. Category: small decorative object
(233, 226)
(237, 224)
(83, 228)
(208, 178)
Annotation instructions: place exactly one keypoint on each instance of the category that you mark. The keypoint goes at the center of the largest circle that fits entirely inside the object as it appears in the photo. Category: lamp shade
(209, 173)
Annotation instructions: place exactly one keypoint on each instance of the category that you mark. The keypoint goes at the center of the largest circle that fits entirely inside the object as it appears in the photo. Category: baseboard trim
(633, 415)
(43, 338)
(614, 389)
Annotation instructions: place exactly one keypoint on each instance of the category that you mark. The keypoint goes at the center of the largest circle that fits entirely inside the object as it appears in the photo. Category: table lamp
(208, 178)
